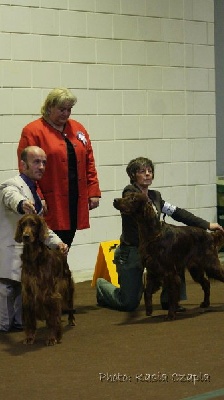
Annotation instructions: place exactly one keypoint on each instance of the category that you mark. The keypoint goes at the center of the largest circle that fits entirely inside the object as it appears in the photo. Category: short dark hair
(24, 154)
(136, 164)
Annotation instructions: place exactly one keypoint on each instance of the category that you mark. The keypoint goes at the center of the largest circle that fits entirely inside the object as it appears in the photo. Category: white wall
(219, 88)
(143, 72)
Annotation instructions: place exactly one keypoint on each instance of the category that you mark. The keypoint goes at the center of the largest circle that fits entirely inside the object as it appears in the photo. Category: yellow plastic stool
(105, 268)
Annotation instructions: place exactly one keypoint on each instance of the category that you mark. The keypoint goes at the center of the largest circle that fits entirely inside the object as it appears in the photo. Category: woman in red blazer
(70, 187)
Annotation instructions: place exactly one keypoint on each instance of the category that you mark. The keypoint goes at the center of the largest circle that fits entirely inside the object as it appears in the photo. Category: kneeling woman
(127, 259)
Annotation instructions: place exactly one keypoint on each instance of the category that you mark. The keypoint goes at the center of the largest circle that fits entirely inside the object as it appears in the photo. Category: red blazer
(54, 184)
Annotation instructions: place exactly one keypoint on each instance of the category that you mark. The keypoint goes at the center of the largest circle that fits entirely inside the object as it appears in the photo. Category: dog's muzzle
(116, 203)
(26, 237)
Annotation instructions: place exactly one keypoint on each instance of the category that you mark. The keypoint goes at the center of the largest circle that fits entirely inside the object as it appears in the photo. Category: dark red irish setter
(47, 284)
(167, 250)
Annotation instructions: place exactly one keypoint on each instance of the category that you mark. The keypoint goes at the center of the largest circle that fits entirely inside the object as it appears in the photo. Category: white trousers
(10, 305)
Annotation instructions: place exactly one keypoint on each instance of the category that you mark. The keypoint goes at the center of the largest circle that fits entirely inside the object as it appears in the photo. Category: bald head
(33, 162)
(31, 150)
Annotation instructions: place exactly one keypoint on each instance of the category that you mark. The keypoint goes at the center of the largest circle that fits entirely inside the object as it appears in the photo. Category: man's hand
(44, 205)
(63, 248)
(28, 207)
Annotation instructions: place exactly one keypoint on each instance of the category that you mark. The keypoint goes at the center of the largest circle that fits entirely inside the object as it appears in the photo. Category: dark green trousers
(129, 269)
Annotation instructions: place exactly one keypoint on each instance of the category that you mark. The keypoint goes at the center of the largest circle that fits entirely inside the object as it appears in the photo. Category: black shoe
(16, 327)
(180, 309)
(165, 306)
(100, 303)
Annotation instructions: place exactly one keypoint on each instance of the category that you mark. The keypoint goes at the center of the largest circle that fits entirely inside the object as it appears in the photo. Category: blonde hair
(57, 97)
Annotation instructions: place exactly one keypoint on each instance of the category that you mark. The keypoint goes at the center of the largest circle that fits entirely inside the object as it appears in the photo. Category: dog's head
(31, 228)
(132, 203)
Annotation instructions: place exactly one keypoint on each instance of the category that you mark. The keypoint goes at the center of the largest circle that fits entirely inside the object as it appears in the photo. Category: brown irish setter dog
(167, 250)
(47, 284)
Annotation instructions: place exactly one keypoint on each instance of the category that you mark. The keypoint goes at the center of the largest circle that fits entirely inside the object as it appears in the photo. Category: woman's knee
(131, 303)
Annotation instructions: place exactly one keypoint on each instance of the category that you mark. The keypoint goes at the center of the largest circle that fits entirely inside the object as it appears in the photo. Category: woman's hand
(93, 202)
(215, 226)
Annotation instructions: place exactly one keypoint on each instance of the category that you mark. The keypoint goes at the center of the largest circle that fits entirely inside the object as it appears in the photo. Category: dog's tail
(218, 237)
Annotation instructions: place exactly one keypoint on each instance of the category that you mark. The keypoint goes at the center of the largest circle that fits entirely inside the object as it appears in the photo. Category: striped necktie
(38, 204)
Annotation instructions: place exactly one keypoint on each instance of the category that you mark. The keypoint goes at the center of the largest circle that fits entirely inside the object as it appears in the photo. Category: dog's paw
(71, 322)
(29, 340)
(171, 316)
(52, 341)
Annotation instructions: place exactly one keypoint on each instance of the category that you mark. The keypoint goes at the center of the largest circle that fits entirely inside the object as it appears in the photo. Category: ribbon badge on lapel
(81, 137)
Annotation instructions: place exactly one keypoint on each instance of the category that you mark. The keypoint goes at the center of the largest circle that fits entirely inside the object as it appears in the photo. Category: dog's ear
(140, 198)
(144, 197)
(43, 229)
(18, 233)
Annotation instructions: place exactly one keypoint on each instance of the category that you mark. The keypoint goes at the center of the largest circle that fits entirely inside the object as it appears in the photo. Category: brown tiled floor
(115, 355)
